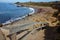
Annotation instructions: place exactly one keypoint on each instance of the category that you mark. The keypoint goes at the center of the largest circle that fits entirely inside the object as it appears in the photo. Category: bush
(58, 29)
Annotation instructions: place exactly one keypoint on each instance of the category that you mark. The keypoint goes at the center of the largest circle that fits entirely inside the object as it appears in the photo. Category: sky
(26, 1)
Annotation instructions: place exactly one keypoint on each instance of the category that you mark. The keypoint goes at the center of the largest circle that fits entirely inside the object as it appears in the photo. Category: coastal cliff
(46, 30)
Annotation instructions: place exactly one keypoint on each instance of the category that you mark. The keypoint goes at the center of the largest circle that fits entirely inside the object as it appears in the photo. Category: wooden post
(2, 36)
(13, 37)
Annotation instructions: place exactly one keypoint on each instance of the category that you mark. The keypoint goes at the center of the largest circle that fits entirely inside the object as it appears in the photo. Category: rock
(1, 25)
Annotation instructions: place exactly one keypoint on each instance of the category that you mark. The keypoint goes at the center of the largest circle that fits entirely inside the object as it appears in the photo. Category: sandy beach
(29, 20)
(43, 15)
(36, 17)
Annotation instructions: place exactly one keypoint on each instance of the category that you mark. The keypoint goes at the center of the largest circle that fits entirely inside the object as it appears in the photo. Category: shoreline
(19, 18)
(36, 17)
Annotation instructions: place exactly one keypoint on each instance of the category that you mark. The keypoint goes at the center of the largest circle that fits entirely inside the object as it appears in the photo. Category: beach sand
(36, 17)
(42, 16)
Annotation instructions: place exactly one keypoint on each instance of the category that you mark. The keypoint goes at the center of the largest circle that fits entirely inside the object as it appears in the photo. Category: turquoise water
(10, 11)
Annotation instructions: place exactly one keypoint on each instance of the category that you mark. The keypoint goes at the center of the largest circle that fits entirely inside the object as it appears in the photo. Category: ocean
(10, 12)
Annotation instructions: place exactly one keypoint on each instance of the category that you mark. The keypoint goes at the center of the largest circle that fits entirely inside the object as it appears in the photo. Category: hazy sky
(26, 0)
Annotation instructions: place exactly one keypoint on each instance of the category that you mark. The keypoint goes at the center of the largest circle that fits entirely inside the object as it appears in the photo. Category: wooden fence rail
(12, 33)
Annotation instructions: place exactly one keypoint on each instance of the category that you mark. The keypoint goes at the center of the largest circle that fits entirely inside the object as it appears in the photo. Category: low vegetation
(39, 3)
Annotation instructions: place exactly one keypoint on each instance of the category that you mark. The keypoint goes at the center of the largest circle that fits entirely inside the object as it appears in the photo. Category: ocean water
(10, 12)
